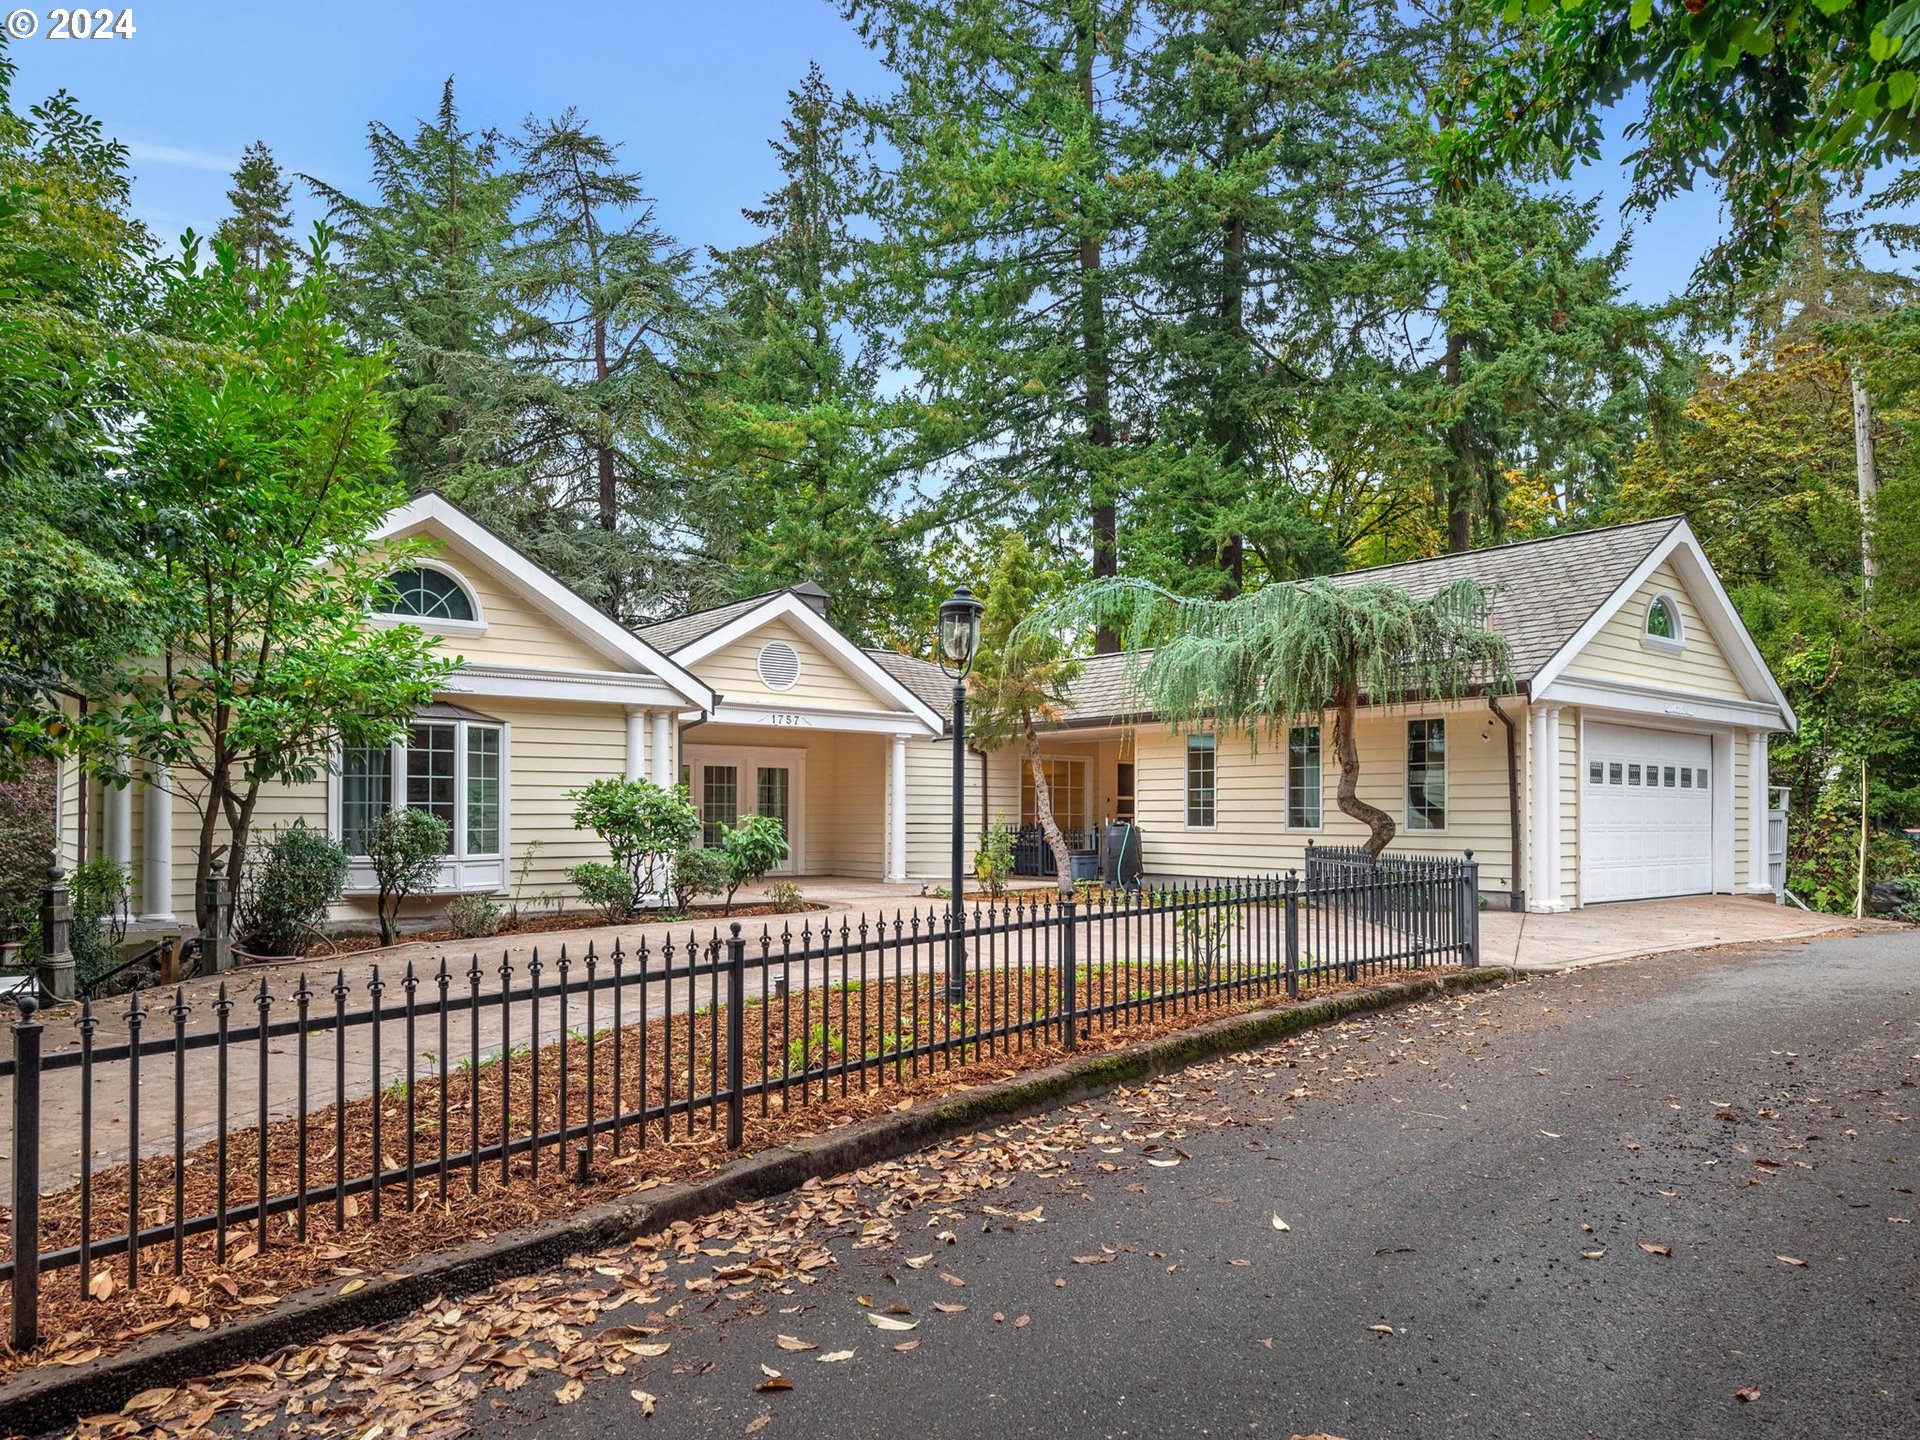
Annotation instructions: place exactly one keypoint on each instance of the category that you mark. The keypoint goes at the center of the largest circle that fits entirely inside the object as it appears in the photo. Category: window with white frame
(1202, 776)
(1066, 792)
(1303, 777)
(1664, 630)
(425, 593)
(1426, 774)
(451, 764)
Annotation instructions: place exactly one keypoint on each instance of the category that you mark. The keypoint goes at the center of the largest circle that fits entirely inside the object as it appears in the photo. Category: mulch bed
(793, 1032)
(533, 925)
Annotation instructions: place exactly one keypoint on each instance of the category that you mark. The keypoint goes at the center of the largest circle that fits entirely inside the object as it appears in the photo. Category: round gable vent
(779, 665)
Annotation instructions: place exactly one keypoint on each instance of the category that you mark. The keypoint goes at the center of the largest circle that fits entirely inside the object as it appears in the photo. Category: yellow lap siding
(822, 685)
(1617, 652)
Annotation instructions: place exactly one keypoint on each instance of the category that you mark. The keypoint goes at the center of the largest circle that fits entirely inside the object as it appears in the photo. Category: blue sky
(691, 88)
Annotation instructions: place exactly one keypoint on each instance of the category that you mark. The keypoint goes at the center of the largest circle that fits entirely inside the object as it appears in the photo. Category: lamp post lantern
(959, 645)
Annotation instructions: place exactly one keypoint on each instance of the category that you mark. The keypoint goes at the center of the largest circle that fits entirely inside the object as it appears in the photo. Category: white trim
(636, 743)
(1544, 848)
(1286, 782)
(660, 750)
(1757, 806)
(544, 590)
(436, 624)
(897, 808)
(156, 871)
(729, 712)
(1672, 709)
(1723, 621)
(748, 761)
(521, 682)
(1407, 827)
(1186, 783)
(855, 661)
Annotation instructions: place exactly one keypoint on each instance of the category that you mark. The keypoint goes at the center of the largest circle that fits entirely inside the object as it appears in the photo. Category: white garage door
(1647, 813)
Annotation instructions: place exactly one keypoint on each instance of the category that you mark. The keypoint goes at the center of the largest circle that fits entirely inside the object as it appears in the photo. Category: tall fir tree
(421, 272)
(610, 339)
(260, 225)
(804, 455)
(1007, 253)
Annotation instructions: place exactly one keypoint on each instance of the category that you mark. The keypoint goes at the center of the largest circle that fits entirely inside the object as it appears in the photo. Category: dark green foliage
(295, 875)
(26, 846)
(644, 826)
(98, 891)
(697, 871)
(259, 229)
(405, 847)
(608, 888)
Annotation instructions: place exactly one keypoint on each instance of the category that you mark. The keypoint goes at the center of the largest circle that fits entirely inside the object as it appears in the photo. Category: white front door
(1646, 812)
(728, 781)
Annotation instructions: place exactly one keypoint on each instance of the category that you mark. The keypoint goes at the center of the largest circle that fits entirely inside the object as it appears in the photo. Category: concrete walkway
(1623, 931)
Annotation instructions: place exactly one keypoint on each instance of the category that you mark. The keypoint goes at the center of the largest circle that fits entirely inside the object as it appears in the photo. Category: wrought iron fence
(579, 1058)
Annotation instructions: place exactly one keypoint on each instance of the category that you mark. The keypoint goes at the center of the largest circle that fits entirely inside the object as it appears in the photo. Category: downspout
(986, 809)
(1516, 895)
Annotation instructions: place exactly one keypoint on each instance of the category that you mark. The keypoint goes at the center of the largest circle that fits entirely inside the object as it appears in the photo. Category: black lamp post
(959, 644)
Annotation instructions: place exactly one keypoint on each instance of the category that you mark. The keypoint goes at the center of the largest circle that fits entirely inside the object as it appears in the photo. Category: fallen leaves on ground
(1653, 1249)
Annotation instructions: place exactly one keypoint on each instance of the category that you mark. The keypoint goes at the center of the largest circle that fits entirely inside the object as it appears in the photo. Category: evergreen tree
(804, 455)
(260, 227)
(609, 338)
(420, 272)
(1007, 251)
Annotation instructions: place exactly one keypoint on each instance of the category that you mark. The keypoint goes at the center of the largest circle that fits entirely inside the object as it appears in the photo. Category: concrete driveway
(1630, 928)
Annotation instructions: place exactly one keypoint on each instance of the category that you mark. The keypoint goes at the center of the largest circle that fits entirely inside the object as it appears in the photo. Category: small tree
(644, 826)
(1019, 683)
(406, 848)
(1266, 660)
(751, 849)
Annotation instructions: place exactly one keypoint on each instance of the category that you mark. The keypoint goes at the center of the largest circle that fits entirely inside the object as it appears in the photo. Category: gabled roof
(565, 605)
(705, 632)
(922, 677)
(1554, 594)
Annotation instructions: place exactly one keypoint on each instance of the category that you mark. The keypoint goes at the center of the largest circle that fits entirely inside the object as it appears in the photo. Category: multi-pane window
(440, 762)
(719, 801)
(1303, 777)
(1202, 794)
(1426, 774)
(1066, 792)
(425, 594)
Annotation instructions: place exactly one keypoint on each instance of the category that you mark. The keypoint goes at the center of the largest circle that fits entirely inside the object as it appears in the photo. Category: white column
(662, 749)
(1550, 762)
(1540, 808)
(897, 809)
(1757, 879)
(636, 742)
(116, 822)
(156, 883)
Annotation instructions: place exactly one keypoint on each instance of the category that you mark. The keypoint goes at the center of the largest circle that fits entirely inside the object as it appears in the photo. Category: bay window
(451, 764)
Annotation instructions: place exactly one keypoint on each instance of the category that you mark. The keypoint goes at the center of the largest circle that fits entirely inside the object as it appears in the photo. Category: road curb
(47, 1398)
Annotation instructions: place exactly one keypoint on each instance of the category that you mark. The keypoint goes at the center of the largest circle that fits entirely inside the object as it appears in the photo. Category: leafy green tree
(644, 826)
(1765, 101)
(1270, 658)
(1006, 250)
(421, 274)
(1019, 681)
(73, 360)
(803, 458)
(263, 467)
(259, 228)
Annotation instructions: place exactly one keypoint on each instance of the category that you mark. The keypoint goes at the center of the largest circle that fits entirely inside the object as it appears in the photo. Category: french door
(727, 781)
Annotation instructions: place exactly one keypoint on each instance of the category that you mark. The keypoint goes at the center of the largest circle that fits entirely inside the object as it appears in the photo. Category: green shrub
(751, 849)
(406, 848)
(99, 895)
(787, 898)
(472, 916)
(607, 888)
(697, 871)
(993, 861)
(292, 877)
(643, 824)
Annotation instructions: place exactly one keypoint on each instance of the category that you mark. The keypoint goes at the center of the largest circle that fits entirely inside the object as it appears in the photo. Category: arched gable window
(1663, 623)
(425, 594)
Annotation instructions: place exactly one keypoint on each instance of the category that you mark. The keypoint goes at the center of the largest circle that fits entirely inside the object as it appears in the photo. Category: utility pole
(1868, 484)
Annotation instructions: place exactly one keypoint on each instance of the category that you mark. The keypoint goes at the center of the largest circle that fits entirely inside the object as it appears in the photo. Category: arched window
(425, 594)
(1663, 622)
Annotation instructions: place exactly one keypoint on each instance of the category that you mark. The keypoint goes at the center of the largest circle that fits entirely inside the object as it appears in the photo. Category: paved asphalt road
(1437, 1179)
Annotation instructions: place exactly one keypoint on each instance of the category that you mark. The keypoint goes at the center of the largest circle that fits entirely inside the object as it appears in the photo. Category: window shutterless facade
(1426, 775)
(1066, 793)
(1202, 775)
(1303, 778)
(453, 765)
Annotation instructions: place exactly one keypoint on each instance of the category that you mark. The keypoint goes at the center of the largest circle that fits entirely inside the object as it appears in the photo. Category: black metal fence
(279, 1104)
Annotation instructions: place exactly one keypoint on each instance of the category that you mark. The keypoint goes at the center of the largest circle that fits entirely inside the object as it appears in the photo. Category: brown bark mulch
(802, 1036)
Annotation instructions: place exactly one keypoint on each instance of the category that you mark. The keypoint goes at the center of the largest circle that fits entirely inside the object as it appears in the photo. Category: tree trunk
(1043, 807)
(1379, 824)
(1460, 467)
(1097, 363)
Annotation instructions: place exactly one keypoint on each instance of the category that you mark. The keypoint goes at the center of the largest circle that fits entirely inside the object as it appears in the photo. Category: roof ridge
(1668, 520)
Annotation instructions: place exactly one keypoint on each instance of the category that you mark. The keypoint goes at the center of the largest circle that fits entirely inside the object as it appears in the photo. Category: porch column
(662, 749)
(1757, 878)
(1552, 759)
(636, 742)
(116, 819)
(897, 809)
(1543, 822)
(156, 881)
